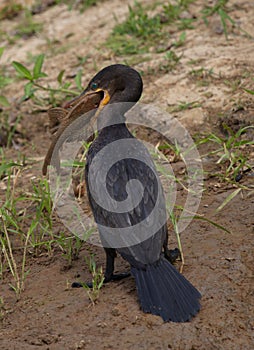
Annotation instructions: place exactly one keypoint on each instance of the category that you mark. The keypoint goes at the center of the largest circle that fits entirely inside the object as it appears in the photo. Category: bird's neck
(114, 131)
(109, 117)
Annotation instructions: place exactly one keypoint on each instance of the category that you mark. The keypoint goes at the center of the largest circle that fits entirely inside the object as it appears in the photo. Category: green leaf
(60, 76)
(249, 91)
(42, 75)
(67, 85)
(3, 101)
(37, 73)
(29, 91)
(22, 70)
(7, 166)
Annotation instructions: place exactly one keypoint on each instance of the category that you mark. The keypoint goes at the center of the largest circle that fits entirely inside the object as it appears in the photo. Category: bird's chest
(110, 165)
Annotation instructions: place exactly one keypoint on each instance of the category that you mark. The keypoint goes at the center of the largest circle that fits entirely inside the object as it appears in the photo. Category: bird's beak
(105, 98)
(72, 110)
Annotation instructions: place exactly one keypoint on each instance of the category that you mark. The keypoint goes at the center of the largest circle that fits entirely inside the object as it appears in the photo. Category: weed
(182, 106)
(135, 34)
(70, 246)
(8, 130)
(81, 60)
(141, 31)
(4, 80)
(229, 198)
(26, 225)
(173, 11)
(10, 10)
(201, 73)
(97, 279)
(171, 59)
(233, 83)
(180, 42)
(9, 224)
(24, 219)
(174, 221)
(202, 76)
(231, 153)
(28, 27)
(221, 10)
(33, 76)
(80, 5)
(41, 221)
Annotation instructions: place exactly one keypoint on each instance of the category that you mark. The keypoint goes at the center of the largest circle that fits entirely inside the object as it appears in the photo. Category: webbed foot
(113, 277)
(172, 255)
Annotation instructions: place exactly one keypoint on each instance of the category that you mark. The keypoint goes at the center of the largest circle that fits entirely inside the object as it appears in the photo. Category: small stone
(115, 311)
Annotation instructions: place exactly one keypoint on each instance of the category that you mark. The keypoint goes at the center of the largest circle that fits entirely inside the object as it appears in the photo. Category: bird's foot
(80, 284)
(172, 254)
(113, 277)
(116, 277)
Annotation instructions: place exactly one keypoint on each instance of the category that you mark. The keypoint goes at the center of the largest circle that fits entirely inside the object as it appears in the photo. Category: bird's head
(117, 84)
(108, 96)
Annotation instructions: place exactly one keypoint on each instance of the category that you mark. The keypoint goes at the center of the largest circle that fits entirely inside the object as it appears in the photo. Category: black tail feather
(163, 291)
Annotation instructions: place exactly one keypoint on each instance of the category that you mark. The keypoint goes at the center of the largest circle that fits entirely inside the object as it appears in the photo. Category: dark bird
(138, 235)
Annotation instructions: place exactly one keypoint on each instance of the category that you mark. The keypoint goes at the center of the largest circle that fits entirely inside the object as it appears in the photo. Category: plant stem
(56, 90)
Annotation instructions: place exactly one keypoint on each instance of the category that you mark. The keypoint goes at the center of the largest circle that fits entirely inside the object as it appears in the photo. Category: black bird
(162, 290)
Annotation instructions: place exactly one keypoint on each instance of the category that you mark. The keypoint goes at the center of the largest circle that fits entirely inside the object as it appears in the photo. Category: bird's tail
(163, 291)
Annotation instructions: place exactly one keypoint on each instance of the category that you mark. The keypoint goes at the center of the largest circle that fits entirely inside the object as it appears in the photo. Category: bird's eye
(94, 86)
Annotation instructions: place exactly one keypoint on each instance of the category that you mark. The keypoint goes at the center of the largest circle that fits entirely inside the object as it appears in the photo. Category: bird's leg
(110, 264)
(170, 254)
(109, 273)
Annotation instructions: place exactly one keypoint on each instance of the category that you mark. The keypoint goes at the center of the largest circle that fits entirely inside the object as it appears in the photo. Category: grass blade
(228, 199)
(1, 51)
(249, 91)
(198, 217)
(77, 79)
(7, 166)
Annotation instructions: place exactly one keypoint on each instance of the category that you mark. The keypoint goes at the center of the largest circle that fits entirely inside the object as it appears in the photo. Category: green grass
(141, 32)
(5, 80)
(8, 129)
(26, 219)
(144, 30)
(220, 9)
(232, 152)
(10, 10)
(27, 230)
(27, 27)
(136, 34)
(182, 106)
(97, 279)
(80, 5)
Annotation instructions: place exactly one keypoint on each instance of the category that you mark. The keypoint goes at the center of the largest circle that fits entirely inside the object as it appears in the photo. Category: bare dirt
(51, 315)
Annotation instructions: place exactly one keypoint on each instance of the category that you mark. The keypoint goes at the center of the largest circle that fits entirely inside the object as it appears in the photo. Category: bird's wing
(138, 229)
